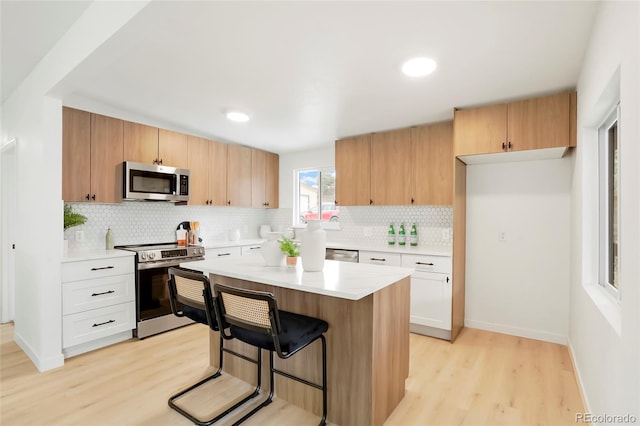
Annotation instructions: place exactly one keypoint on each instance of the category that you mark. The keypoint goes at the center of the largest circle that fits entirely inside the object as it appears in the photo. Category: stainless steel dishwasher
(342, 255)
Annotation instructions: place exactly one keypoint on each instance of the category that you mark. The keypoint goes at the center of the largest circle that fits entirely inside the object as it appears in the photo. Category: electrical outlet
(79, 235)
(367, 231)
(502, 236)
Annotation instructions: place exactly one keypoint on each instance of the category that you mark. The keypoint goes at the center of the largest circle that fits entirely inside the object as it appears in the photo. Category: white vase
(313, 244)
(270, 249)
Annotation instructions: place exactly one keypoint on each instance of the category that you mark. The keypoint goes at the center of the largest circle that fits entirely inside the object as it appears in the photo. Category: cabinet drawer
(213, 253)
(98, 268)
(248, 250)
(380, 258)
(79, 296)
(422, 263)
(95, 324)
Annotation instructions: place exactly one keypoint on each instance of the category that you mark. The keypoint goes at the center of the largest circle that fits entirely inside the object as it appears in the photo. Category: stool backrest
(192, 289)
(250, 309)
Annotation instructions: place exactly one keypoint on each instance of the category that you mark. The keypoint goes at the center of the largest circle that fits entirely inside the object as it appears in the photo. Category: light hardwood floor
(483, 379)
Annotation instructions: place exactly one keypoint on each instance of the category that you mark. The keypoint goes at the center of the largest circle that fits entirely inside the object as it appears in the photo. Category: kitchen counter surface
(238, 243)
(425, 250)
(345, 280)
(93, 254)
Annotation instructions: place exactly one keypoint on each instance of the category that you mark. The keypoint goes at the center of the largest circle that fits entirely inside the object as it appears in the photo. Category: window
(315, 194)
(608, 197)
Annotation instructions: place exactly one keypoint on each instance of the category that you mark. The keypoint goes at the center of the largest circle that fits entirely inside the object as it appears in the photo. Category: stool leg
(269, 397)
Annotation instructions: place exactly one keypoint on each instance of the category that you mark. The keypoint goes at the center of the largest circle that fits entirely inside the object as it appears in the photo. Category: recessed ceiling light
(418, 67)
(237, 116)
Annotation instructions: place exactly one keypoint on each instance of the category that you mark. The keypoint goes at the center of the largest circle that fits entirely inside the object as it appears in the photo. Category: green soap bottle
(391, 235)
(402, 236)
(413, 236)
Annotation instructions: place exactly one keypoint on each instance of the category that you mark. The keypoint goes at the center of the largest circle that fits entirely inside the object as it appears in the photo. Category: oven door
(153, 305)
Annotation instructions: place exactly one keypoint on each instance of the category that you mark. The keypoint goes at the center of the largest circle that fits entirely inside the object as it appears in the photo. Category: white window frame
(296, 198)
(604, 217)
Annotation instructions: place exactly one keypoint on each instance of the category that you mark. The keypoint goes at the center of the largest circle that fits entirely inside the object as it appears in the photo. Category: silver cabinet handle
(103, 323)
(379, 260)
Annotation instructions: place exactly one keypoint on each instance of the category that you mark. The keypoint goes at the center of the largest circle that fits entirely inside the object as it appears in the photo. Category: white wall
(35, 120)
(604, 338)
(519, 286)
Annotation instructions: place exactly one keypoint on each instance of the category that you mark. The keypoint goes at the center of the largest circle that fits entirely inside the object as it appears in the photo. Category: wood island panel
(367, 352)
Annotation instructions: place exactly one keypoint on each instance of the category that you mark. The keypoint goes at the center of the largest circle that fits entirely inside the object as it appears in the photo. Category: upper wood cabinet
(264, 179)
(399, 167)
(543, 122)
(76, 155)
(239, 180)
(146, 144)
(432, 164)
(207, 163)
(353, 171)
(391, 168)
(106, 159)
(92, 153)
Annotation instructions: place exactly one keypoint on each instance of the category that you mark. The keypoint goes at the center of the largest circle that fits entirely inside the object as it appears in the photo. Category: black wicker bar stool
(253, 317)
(190, 296)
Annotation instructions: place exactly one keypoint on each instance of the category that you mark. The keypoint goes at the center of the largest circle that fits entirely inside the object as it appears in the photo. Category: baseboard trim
(516, 331)
(42, 364)
(576, 372)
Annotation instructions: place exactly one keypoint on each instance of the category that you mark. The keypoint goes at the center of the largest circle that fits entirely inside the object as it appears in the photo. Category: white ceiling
(308, 72)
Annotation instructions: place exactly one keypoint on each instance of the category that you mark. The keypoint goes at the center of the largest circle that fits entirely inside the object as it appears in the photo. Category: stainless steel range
(153, 309)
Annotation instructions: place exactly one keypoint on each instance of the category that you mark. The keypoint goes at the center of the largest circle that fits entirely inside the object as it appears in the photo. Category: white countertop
(338, 279)
(425, 250)
(93, 254)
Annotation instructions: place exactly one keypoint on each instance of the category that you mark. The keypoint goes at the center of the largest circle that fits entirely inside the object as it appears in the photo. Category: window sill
(608, 306)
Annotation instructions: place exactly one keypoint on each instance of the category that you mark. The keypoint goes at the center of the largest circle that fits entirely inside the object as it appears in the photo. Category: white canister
(313, 244)
(270, 249)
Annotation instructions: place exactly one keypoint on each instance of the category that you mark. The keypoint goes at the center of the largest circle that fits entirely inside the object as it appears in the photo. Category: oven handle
(166, 263)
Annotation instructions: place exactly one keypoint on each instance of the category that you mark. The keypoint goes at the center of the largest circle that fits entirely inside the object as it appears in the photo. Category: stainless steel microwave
(155, 182)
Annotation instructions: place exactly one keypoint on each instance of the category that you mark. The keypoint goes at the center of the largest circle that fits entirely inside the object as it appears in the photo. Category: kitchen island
(367, 308)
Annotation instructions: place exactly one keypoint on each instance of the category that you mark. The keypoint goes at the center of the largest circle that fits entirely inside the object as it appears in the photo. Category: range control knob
(152, 255)
(143, 256)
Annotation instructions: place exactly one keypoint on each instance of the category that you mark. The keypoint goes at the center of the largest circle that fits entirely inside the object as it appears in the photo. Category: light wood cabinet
(391, 168)
(353, 171)
(92, 147)
(146, 144)
(399, 167)
(239, 176)
(264, 179)
(76, 155)
(537, 123)
(432, 164)
(207, 163)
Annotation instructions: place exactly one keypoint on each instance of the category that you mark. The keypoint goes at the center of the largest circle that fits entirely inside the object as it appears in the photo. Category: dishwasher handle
(342, 255)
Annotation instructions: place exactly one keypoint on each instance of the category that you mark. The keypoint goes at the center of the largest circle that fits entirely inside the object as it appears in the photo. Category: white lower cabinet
(431, 294)
(252, 250)
(98, 303)
(213, 253)
(380, 258)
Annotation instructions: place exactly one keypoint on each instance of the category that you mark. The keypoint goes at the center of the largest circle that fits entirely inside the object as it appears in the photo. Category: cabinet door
(540, 122)
(173, 149)
(218, 173)
(353, 171)
(480, 130)
(106, 158)
(258, 170)
(239, 176)
(272, 179)
(198, 165)
(76, 154)
(391, 168)
(431, 300)
(432, 164)
(140, 143)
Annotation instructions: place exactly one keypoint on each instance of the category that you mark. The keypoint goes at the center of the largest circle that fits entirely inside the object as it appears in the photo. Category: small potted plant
(290, 249)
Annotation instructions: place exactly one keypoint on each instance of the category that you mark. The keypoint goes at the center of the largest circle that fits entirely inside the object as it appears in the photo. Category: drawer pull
(104, 267)
(103, 323)
(378, 259)
(254, 248)
(224, 254)
(423, 263)
(104, 292)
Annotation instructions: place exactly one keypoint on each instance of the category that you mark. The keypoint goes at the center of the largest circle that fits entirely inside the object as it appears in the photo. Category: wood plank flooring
(483, 379)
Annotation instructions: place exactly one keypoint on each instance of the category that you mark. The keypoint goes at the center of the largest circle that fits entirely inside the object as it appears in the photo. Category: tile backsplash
(151, 222)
